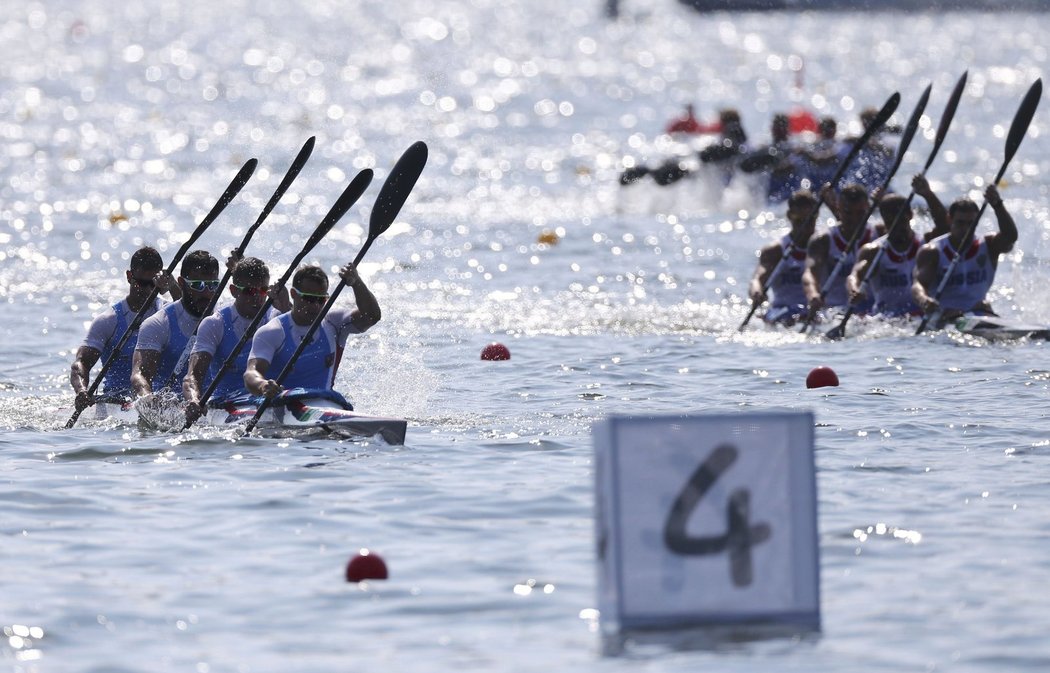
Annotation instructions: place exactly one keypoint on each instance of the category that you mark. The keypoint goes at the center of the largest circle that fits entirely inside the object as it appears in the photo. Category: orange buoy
(366, 565)
(495, 351)
(820, 377)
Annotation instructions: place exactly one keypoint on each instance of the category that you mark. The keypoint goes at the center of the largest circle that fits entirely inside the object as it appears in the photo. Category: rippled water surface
(124, 550)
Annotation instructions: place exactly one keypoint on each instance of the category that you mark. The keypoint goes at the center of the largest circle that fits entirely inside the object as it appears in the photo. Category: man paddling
(890, 281)
(974, 272)
(276, 341)
(164, 336)
(219, 333)
(830, 252)
(143, 274)
(787, 259)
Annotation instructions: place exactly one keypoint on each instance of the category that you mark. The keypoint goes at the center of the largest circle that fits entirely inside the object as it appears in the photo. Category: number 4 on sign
(740, 535)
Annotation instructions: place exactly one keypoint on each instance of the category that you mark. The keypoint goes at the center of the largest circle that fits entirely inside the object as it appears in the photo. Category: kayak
(295, 413)
(995, 328)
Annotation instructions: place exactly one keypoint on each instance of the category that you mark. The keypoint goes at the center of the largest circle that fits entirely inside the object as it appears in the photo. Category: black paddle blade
(396, 188)
(911, 127)
(1022, 120)
(946, 118)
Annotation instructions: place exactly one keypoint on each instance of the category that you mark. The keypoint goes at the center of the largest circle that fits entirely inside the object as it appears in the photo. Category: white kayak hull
(998, 329)
(296, 418)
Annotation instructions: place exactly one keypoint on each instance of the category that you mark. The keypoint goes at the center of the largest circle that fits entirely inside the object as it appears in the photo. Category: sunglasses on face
(249, 291)
(310, 297)
(142, 282)
(201, 285)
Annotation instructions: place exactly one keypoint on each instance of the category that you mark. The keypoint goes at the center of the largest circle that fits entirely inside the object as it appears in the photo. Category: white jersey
(270, 337)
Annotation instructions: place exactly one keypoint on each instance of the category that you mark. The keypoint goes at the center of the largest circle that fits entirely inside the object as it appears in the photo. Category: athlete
(221, 332)
(143, 274)
(827, 249)
(276, 341)
(967, 288)
(164, 336)
(890, 282)
(787, 259)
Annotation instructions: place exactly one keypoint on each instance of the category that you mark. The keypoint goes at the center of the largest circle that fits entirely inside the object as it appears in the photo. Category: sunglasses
(143, 282)
(251, 291)
(310, 297)
(201, 285)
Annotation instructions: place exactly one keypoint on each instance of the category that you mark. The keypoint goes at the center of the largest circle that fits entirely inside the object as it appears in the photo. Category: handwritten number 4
(740, 535)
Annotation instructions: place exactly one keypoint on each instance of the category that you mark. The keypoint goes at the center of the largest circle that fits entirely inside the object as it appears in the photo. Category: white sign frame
(707, 519)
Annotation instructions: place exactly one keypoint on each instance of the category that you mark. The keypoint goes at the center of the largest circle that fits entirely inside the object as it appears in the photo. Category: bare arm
(939, 214)
(191, 384)
(854, 286)
(767, 261)
(367, 312)
(78, 375)
(1002, 242)
(144, 366)
(924, 279)
(255, 379)
(813, 277)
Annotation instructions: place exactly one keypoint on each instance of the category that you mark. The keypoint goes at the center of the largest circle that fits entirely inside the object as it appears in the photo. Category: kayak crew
(219, 334)
(781, 160)
(787, 259)
(827, 249)
(276, 341)
(873, 162)
(890, 282)
(822, 157)
(145, 271)
(967, 288)
(164, 336)
(688, 124)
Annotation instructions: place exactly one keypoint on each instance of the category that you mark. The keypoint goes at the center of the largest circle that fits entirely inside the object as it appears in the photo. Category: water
(130, 551)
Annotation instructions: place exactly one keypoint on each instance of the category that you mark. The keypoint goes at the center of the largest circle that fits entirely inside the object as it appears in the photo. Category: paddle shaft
(909, 133)
(289, 177)
(942, 132)
(228, 195)
(345, 201)
(396, 188)
(1018, 129)
(880, 119)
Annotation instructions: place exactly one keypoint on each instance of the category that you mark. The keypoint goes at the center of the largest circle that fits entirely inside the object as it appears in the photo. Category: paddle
(345, 201)
(234, 187)
(396, 188)
(902, 147)
(880, 119)
(942, 130)
(289, 178)
(1018, 129)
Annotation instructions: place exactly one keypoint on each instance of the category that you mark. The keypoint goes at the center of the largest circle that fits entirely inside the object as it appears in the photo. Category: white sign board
(707, 520)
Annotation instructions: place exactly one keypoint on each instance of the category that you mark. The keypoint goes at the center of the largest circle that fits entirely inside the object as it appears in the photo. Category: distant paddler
(219, 333)
(975, 261)
(145, 272)
(275, 342)
(780, 264)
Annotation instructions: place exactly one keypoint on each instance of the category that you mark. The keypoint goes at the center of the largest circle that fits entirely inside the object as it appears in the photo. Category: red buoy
(366, 565)
(821, 377)
(495, 351)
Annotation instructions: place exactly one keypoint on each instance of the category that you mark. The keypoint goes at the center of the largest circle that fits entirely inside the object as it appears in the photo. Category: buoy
(821, 377)
(366, 565)
(548, 237)
(495, 351)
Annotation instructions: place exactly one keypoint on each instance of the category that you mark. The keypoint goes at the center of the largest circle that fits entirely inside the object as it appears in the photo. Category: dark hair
(853, 192)
(309, 273)
(146, 259)
(801, 197)
(199, 261)
(889, 207)
(962, 203)
(249, 269)
(828, 127)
